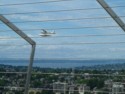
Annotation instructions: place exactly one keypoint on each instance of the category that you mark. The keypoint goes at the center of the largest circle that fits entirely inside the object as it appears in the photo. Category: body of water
(61, 63)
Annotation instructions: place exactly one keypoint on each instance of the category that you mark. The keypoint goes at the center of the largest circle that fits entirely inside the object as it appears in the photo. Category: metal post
(29, 70)
(30, 41)
(112, 14)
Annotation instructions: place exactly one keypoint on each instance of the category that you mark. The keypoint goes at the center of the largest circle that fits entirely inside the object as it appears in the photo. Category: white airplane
(46, 33)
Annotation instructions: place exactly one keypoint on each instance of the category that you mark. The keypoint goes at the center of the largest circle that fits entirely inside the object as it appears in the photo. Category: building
(108, 84)
(117, 88)
(87, 76)
(60, 88)
(83, 88)
(71, 89)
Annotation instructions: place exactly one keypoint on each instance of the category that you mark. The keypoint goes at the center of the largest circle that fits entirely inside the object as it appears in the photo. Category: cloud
(117, 49)
(87, 51)
(29, 17)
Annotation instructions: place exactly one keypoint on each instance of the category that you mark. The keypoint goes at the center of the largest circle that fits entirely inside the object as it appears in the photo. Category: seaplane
(46, 33)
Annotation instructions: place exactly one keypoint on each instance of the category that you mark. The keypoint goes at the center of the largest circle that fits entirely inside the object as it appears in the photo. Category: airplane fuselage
(45, 33)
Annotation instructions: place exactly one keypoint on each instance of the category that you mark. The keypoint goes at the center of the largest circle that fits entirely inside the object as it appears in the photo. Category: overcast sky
(84, 51)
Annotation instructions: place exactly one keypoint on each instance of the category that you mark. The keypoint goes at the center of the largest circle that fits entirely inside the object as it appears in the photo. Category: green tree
(38, 93)
(95, 83)
(31, 92)
(2, 82)
(47, 92)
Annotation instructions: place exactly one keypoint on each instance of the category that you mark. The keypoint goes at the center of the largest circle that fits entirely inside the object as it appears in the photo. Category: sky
(51, 51)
